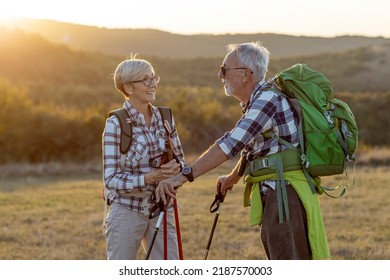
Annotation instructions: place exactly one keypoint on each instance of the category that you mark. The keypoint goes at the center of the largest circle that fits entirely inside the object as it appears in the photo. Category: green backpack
(328, 132)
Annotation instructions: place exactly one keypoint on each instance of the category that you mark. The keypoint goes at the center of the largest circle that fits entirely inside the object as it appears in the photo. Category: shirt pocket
(138, 151)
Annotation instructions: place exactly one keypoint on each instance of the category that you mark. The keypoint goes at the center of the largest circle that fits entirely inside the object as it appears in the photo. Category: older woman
(133, 183)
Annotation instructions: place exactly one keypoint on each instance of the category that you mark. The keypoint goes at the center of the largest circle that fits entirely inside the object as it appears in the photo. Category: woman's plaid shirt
(147, 143)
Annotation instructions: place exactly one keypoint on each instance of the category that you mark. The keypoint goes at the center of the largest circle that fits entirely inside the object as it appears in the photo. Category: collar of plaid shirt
(256, 91)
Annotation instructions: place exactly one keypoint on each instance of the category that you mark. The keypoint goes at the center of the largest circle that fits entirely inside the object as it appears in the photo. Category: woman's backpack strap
(126, 129)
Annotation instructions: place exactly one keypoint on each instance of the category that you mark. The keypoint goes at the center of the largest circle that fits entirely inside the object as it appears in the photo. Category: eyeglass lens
(148, 81)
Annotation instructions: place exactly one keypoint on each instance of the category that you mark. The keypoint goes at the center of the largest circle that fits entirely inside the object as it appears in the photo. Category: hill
(29, 57)
(149, 42)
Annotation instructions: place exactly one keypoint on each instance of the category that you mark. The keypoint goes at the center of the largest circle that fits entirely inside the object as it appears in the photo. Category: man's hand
(226, 182)
(167, 187)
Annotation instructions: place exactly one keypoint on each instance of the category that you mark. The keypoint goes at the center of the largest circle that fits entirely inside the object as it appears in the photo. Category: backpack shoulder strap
(166, 114)
(126, 138)
(295, 107)
(126, 129)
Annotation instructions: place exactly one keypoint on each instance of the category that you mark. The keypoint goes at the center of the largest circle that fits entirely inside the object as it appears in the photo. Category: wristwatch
(187, 172)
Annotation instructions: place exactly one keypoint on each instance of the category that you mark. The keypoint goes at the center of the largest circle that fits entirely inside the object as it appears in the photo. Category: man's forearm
(209, 160)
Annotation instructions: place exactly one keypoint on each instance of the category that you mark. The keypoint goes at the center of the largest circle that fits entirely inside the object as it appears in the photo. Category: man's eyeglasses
(224, 69)
(148, 81)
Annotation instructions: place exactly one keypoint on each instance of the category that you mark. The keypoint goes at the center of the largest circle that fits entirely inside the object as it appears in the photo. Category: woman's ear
(128, 88)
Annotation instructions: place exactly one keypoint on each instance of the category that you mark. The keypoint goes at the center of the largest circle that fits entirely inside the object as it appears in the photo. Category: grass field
(59, 217)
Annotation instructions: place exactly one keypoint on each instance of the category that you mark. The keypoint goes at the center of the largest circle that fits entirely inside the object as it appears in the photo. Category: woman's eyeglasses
(147, 81)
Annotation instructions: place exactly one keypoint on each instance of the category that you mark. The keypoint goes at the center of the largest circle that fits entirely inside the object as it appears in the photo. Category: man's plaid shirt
(266, 110)
(147, 143)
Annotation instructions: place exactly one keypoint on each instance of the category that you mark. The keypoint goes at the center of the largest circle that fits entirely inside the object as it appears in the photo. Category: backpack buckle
(265, 163)
(305, 163)
(259, 164)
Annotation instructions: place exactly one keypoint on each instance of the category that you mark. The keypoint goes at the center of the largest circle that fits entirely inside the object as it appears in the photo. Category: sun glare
(368, 18)
(9, 13)
(23, 9)
(4, 17)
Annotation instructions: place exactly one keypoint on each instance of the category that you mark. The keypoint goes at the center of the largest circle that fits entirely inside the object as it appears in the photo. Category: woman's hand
(165, 171)
(170, 169)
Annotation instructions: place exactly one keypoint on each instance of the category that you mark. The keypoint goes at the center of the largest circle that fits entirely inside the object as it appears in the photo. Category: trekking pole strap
(156, 209)
(219, 198)
(161, 216)
(215, 207)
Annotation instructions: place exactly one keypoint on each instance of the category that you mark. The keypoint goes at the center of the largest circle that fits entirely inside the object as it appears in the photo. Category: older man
(298, 232)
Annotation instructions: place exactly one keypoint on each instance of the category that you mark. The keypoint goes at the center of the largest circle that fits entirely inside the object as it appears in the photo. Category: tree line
(44, 130)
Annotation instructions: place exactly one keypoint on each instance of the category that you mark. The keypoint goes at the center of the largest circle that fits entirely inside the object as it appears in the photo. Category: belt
(111, 194)
(145, 195)
(141, 194)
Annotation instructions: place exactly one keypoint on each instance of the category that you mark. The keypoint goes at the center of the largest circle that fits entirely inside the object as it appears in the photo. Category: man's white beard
(229, 90)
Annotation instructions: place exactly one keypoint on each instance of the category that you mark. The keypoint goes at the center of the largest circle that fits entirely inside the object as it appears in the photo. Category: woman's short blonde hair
(129, 70)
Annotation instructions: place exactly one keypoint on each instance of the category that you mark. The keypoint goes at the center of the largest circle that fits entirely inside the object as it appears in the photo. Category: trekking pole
(163, 209)
(178, 234)
(219, 198)
(160, 205)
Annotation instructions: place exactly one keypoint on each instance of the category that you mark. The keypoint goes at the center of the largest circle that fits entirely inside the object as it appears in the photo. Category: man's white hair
(254, 56)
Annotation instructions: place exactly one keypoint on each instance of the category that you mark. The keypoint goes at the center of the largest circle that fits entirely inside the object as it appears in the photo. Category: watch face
(186, 170)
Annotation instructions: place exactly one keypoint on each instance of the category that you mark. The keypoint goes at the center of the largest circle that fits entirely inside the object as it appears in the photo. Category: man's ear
(248, 75)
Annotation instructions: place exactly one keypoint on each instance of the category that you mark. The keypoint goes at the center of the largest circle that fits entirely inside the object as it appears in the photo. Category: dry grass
(373, 156)
(60, 218)
(358, 223)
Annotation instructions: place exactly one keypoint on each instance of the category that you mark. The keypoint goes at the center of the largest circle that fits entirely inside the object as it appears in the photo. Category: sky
(325, 18)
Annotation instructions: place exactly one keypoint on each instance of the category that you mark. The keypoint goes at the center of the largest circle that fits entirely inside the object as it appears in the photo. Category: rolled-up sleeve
(254, 122)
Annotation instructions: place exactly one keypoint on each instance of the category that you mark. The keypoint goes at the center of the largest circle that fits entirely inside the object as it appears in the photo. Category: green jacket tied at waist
(310, 201)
